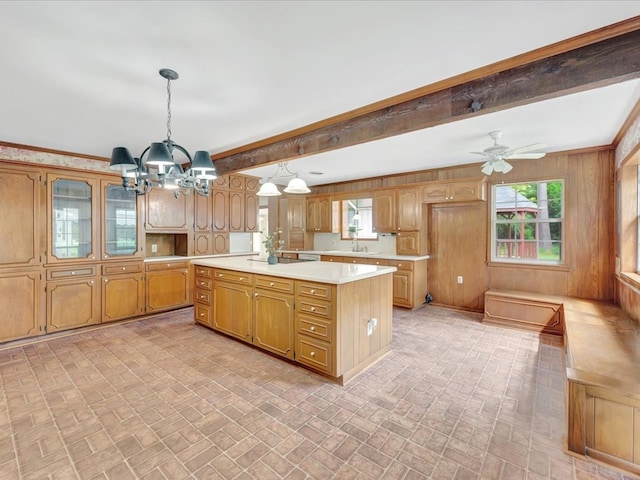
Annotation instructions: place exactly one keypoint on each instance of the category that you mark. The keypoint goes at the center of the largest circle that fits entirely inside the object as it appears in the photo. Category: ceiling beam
(593, 64)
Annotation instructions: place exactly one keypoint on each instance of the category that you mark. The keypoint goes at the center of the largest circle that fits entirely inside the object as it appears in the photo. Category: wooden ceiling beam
(592, 65)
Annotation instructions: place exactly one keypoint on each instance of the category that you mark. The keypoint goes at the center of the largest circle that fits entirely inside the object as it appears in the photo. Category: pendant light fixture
(295, 185)
(159, 156)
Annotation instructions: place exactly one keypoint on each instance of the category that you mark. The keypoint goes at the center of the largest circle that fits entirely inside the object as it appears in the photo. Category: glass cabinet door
(120, 222)
(72, 229)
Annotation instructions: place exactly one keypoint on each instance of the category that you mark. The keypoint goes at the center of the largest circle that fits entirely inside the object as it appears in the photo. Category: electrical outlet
(154, 248)
(460, 279)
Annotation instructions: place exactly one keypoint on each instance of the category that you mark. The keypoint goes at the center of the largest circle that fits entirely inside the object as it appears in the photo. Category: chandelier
(295, 185)
(156, 166)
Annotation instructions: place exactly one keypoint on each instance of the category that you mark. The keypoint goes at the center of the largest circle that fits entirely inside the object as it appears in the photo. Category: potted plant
(271, 244)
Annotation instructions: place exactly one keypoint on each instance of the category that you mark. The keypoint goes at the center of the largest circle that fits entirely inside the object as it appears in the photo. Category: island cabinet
(336, 329)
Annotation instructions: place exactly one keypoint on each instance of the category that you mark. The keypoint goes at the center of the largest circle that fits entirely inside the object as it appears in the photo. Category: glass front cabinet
(72, 214)
(121, 239)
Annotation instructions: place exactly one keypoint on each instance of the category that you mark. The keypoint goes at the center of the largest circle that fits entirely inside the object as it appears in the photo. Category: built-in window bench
(603, 368)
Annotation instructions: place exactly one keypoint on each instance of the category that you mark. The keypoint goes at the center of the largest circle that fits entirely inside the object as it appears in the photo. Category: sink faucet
(354, 245)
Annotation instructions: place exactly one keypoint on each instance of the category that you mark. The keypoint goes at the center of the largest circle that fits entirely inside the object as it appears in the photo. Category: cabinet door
(467, 191)
(202, 215)
(220, 199)
(384, 211)
(232, 309)
(296, 214)
(203, 243)
(251, 207)
(21, 305)
(273, 322)
(236, 211)
(167, 213)
(435, 193)
(167, 290)
(20, 205)
(122, 296)
(237, 182)
(252, 184)
(408, 209)
(220, 243)
(73, 213)
(402, 289)
(325, 215)
(72, 303)
(408, 243)
(121, 237)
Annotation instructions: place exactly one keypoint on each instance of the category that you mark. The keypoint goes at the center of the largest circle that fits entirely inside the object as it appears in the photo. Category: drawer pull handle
(271, 284)
(313, 354)
(241, 278)
(124, 268)
(220, 275)
(73, 273)
(202, 314)
(313, 309)
(313, 329)
(313, 292)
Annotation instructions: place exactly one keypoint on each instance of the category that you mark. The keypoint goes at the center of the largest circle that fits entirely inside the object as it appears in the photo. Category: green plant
(272, 243)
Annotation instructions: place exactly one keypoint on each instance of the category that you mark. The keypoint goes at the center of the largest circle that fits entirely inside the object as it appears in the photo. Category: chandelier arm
(183, 150)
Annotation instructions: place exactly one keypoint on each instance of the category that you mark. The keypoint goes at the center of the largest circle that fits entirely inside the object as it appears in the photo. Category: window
(527, 222)
(357, 219)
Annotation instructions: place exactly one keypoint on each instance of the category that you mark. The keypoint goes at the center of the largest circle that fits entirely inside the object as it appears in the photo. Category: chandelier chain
(168, 109)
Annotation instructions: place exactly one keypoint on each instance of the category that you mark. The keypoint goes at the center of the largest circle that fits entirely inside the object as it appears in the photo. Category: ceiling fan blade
(479, 153)
(527, 156)
(525, 148)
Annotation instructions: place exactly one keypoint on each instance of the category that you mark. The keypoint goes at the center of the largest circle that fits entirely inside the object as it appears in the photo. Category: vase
(272, 259)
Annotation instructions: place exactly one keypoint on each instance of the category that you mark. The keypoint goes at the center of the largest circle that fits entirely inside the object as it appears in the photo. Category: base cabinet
(168, 286)
(273, 322)
(232, 304)
(73, 298)
(21, 305)
(123, 287)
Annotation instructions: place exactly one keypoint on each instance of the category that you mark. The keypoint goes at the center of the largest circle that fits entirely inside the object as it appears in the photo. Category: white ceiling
(83, 76)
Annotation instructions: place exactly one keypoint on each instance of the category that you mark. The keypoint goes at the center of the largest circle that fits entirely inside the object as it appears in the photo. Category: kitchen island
(332, 318)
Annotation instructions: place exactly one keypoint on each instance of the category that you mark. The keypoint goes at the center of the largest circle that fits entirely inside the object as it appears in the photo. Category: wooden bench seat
(603, 369)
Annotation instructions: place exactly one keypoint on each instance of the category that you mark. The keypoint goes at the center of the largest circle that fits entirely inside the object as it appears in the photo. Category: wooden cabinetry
(168, 285)
(273, 315)
(315, 326)
(167, 213)
(202, 295)
(232, 303)
(21, 303)
(236, 211)
(400, 211)
(321, 217)
(121, 235)
(291, 221)
(72, 209)
(251, 210)
(123, 291)
(384, 211)
(73, 297)
(409, 282)
(243, 204)
(455, 191)
(220, 209)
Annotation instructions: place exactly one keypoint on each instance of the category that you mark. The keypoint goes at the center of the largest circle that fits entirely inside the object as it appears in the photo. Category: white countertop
(323, 272)
(189, 258)
(344, 253)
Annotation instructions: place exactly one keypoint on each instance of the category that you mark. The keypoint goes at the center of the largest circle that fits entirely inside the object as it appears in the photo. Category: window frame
(561, 262)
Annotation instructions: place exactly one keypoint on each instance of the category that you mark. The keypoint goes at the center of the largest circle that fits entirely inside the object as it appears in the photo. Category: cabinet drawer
(378, 261)
(204, 271)
(274, 283)
(332, 258)
(84, 271)
(360, 260)
(314, 327)
(205, 283)
(314, 353)
(313, 290)
(232, 276)
(168, 265)
(401, 264)
(202, 314)
(321, 309)
(117, 268)
(203, 296)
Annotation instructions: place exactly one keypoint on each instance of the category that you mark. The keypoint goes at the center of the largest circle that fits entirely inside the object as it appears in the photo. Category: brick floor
(165, 398)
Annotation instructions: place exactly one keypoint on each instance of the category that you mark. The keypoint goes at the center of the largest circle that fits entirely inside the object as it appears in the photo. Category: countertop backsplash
(386, 243)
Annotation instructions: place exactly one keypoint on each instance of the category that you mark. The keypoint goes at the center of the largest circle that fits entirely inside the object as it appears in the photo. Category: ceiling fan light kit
(497, 154)
(169, 174)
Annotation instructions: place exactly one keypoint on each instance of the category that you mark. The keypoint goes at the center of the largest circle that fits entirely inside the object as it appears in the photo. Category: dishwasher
(314, 257)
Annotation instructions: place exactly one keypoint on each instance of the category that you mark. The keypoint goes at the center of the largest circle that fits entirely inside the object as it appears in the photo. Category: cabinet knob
(271, 284)
(106, 256)
(241, 278)
(106, 280)
(91, 282)
(313, 309)
(202, 314)
(313, 291)
(256, 295)
(220, 275)
(313, 354)
(73, 273)
(313, 329)
(124, 268)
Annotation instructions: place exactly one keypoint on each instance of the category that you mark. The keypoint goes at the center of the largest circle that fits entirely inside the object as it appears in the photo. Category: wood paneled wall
(459, 234)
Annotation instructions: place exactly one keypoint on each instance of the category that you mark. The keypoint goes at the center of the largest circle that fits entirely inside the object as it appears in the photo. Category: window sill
(630, 278)
(530, 265)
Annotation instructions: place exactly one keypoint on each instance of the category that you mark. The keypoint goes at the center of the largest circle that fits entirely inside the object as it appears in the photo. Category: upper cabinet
(400, 211)
(167, 212)
(384, 211)
(72, 215)
(455, 191)
(321, 217)
(121, 236)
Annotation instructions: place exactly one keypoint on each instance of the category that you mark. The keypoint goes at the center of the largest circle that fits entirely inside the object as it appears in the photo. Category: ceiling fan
(497, 154)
